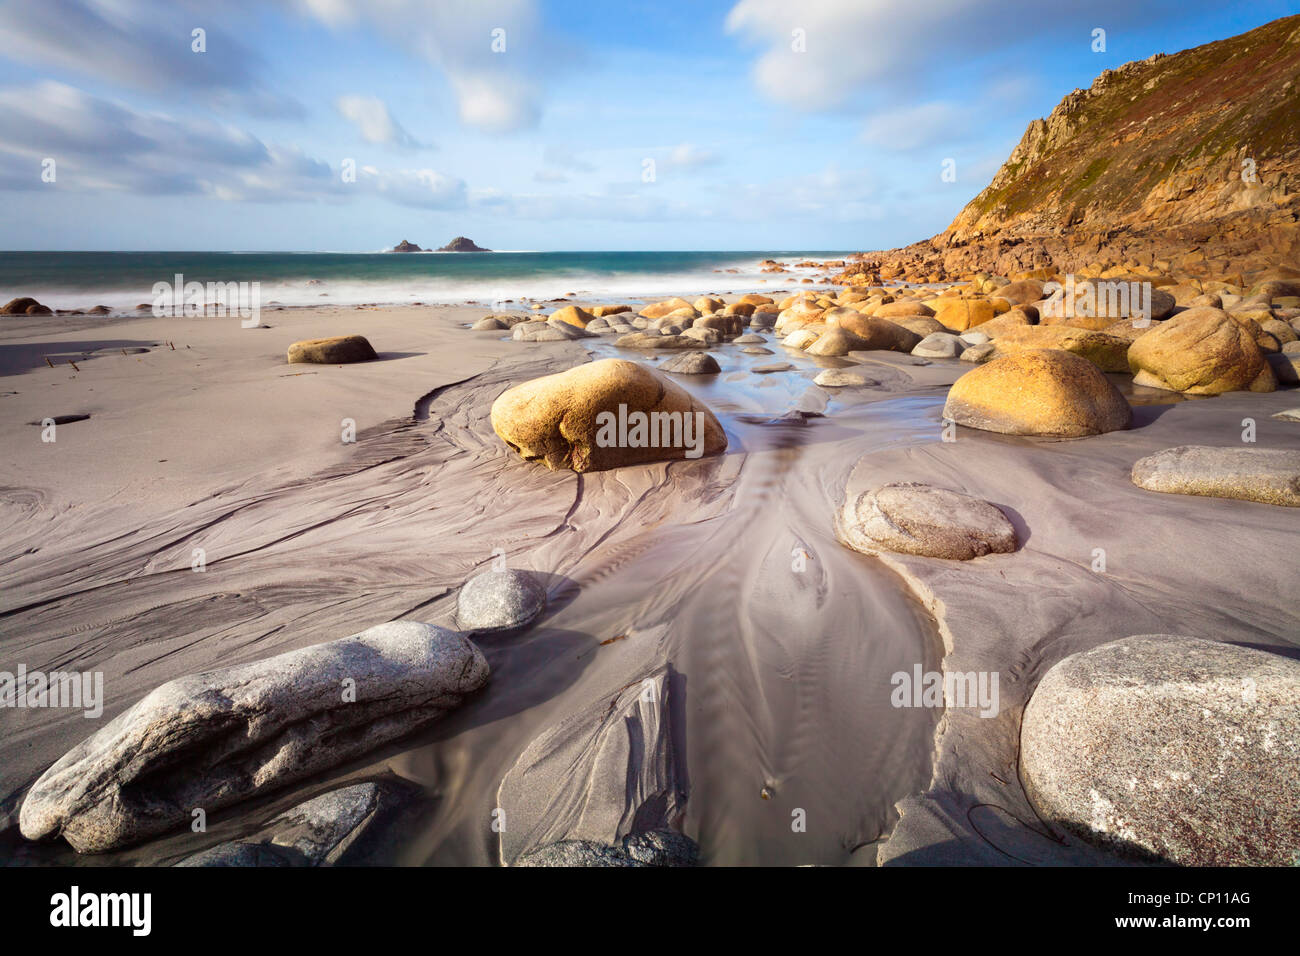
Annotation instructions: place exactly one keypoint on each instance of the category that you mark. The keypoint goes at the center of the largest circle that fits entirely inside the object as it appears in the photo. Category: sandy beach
(779, 641)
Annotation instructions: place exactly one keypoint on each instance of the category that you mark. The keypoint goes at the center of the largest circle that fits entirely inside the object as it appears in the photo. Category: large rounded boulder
(1038, 392)
(604, 415)
(1202, 351)
(1108, 352)
(1170, 748)
(875, 334)
(960, 314)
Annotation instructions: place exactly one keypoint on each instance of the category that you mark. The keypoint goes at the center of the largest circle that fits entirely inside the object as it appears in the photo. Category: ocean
(123, 280)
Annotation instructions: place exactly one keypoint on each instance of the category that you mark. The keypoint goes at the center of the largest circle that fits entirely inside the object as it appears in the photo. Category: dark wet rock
(62, 420)
(239, 854)
(1170, 748)
(212, 739)
(339, 827)
(914, 518)
(692, 363)
(1267, 475)
(405, 246)
(19, 306)
(654, 848)
(499, 601)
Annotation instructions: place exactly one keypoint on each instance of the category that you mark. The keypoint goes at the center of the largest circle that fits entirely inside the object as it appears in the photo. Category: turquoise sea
(122, 280)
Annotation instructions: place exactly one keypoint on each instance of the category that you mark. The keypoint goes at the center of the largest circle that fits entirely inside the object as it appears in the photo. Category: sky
(340, 125)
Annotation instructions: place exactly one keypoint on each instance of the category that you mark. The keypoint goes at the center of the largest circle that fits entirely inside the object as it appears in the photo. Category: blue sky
(676, 124)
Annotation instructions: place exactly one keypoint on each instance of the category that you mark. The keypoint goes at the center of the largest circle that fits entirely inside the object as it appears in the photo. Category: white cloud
(99, 144)
(492, 52)
(687, 156)
(375, 122)
(825, 54)
(144, 46)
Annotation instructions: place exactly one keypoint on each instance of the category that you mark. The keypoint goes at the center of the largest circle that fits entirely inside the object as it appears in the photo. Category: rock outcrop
(1186, 161)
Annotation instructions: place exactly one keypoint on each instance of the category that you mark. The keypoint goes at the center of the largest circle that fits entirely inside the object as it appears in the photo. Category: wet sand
(785, 672)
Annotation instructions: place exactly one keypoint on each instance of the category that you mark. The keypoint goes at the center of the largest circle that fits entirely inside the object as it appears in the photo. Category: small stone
(843, 378)
(939, 345)
(497, 602)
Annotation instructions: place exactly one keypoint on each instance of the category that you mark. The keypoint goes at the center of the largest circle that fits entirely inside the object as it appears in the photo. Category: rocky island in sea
(976, 551)
(461, 244)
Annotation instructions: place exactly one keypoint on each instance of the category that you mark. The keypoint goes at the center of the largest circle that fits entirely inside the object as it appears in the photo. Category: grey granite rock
(547, 332)
(1267, 475)
(843, 378)
(1170, 748)
(605, 774)
(212, 739)
(913, 518)
(939, 345)
(239, 853)
(496, 602)
(978, 354)
(327, 830)
(691, 363)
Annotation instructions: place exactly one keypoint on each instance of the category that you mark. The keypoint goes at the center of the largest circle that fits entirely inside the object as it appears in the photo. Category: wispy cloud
(375, 123)
(490, 51)
(99, 144)
(145, 46)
